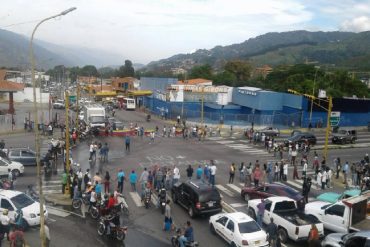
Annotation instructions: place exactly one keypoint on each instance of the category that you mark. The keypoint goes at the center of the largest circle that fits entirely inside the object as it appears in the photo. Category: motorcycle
(148, 117)
(76, 203)
(147, 199)
(100, 211)
(123, 204)
(176, 243)
(112, 228)
(162, 200)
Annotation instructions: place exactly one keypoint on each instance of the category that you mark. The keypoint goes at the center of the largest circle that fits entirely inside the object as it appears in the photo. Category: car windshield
(343, 132)
(97, 119)
(210, 195)
(21, 201)
(346, 236)
(248, 227)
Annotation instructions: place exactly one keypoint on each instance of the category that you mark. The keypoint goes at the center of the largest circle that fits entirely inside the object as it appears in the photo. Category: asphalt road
(145, 224)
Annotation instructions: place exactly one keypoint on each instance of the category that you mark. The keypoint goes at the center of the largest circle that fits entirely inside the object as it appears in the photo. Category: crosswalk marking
(225, 142)
(215, 138)
(223, 189)
(234, 187)
(136, 198)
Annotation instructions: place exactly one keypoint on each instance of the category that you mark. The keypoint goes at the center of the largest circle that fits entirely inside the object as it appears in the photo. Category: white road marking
(225, 142)
(57, 212)
(136, 198)
(234, 187)
(52, 191)
(215, 138)
(223, 189)
(238, 205)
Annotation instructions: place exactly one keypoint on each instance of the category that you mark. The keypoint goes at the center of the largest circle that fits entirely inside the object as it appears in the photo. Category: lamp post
(37, 135)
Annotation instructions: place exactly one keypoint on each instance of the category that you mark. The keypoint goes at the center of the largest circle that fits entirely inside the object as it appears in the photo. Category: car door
(220, 225)
(333, 218)
(15, 155)
(5, 204)
(262, 192)
(267, 214)
(185, 195)
(3, 168)
(229, 231)
(28, 157)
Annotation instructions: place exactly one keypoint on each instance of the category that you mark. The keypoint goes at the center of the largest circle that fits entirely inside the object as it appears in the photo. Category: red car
(268, 190)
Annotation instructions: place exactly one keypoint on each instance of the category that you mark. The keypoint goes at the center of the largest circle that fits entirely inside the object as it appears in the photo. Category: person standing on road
(87, 178)
(248, 175)
(11, 179)
(199, 172)
(159, 179)
(213, 170)
(285, 168)
(189, 172)
(120, 180)
(295, 172)
(270, 172)
(345, 173)
(231, 173)
(133, 180)
(260, 212)
(329, 175)
(167, 216)
(64, 178)
(106, 182)
(337, 167)
(127, 143)
(206, 173)
(276, 170)
(313, 237)
(304, 169)
(176, 175)
(272, 233)
(319, 179)
(91, 150)
(306, 187)
(241, 171)
(5, 223)
(257, 174)
(353, 174)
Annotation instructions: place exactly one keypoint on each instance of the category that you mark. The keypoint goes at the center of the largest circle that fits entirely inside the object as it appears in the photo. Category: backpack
(18, 241)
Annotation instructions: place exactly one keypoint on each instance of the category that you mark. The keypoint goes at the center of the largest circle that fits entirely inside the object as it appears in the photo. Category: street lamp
(37, 135)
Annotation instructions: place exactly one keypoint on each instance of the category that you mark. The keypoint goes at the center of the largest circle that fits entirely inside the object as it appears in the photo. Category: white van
(16, 200)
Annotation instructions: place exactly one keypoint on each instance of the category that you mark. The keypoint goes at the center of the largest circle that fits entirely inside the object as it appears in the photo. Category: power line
(20, 23)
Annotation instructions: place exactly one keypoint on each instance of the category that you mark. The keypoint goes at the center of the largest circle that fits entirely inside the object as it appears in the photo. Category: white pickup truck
(291, 222)
(344, 216)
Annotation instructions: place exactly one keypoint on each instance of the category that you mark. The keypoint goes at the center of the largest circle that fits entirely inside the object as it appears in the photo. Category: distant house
(197, 81)
(9, 87)
(85, 80)
(123, 85)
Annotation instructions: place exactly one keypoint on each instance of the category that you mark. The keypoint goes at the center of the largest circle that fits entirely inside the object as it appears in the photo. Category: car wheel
(252, 214)
(212, 229)
(283, 235)
(246, 197)
(16, 172)
(232, 244)
(191, 212)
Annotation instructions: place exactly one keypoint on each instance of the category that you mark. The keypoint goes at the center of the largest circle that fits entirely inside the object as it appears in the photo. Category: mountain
(14, 52)
(341, 49)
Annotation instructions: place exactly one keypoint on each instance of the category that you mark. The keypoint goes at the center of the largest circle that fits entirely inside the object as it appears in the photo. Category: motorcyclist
(2, 144)
(148, 117)
(188, 235)
(147, 192)
(162, 196)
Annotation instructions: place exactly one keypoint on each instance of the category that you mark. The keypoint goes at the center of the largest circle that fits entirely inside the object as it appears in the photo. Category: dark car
(301, 138)
(268, 190)
(25, 156)
(197, 197)
(269, 131)
(344, 136)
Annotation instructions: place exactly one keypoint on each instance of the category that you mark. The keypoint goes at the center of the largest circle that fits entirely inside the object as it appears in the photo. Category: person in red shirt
(111, 201)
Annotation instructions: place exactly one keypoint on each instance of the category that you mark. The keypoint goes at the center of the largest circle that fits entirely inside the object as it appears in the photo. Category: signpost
(334, 118)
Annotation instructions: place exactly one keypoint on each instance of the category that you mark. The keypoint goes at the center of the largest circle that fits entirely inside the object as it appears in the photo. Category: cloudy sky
(147, 30)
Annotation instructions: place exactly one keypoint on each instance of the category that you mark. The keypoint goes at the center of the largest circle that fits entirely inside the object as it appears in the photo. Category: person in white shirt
(323, 179)
(213, 170)
(318, 179)
(5, 223)
(285, 171)
(304, 170)
(176, 175)
(329, 175)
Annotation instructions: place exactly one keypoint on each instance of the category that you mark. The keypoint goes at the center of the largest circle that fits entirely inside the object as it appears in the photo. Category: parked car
(333, 197)
(301, 138)
(344, 136)
(269, 131)
(295, 132)
(25, 156)
(197, 197)
(343, 216)
(292, 223)
(355, 239)
(238, 229)
(13, 200)
(16, 167)
(268, 190)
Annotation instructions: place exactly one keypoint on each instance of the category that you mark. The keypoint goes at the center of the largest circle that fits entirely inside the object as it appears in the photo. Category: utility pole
(77, 108)
(67, 141)
(202, 112)
(328, 127)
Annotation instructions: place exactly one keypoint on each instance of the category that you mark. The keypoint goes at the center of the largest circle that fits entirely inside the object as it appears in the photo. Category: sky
(149, 30)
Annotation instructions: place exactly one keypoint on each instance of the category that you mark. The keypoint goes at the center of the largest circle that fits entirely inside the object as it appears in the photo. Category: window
(2, 163)
(222, 220)
(6, 204)
(337, 210)
(356, 242)
(230, 225)
(27, 154)
(268, 206)
(14, 153)
(263, 189)
(249, 227)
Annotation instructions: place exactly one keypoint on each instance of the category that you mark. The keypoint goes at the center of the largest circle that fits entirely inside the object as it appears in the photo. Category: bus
(128, 103)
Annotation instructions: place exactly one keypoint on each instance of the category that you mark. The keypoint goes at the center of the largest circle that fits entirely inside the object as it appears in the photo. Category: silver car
(355, 239)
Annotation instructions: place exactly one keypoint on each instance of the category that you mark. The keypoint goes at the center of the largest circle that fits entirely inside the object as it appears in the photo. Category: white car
(16, 200)
(16, 167)
(238, 229)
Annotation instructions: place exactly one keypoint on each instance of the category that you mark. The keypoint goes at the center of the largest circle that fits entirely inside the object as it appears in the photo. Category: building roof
(124, 79)
(193, 81)
(8, 86)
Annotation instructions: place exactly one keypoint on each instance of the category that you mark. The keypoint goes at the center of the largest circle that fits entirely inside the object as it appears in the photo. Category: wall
(156, 84)
(27, 94)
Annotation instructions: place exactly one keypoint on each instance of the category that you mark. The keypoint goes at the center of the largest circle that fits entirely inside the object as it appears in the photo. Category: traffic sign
(334, 118)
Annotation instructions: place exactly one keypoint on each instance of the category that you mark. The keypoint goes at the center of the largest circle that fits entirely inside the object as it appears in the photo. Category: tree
(126, 70)
(240, 69)
(225, 78)
(201, 71)
(89, 70)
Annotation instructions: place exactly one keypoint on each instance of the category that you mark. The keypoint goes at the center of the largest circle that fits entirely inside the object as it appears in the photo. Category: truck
(292, 223)
(94, 115)
(344, 216)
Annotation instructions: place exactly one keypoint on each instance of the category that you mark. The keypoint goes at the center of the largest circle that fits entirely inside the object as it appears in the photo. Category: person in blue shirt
(133, 180)
(199, 172)
(98, 188)
(127, 142)
(120, 180)
(188, 235)
(206, 173)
